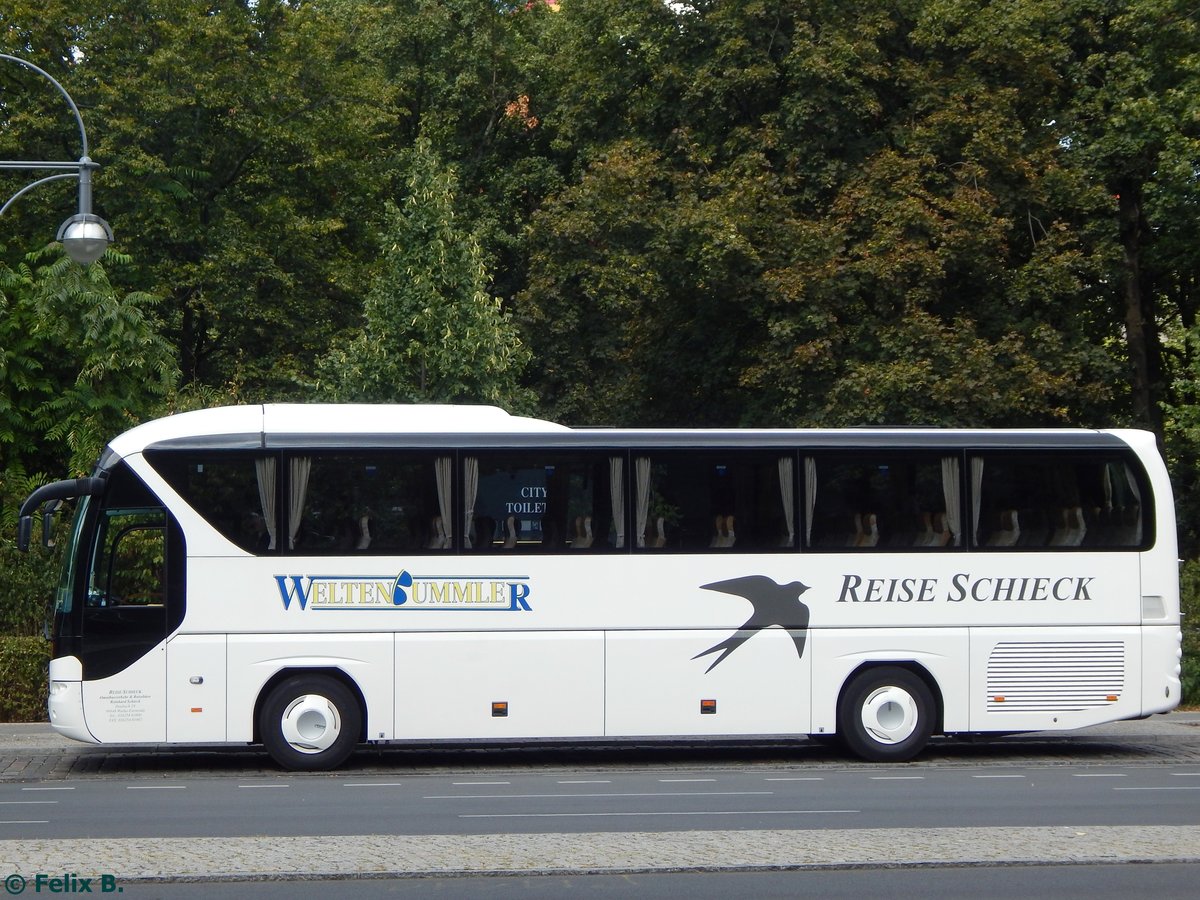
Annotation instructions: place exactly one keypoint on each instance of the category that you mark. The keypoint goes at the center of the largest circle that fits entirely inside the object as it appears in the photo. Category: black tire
(886, 715)
(310, 723)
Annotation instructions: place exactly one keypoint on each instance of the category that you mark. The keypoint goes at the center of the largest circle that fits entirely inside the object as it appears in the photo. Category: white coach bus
(315, 577)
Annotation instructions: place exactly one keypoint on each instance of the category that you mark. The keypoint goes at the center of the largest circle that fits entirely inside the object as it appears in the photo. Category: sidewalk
(374, 855)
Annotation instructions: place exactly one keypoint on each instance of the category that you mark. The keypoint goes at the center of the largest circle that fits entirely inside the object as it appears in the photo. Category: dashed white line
(1097, 774)
(372, 784)
(600, 815)
(997, 776)
(683, 780)
(478, 783)
(796, 778)
(156, 787)
(606, 794)
(47, 788)
(897, 777)
(587, 781)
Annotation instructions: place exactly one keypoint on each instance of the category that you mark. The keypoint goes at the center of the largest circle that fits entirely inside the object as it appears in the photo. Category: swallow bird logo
(774, 604)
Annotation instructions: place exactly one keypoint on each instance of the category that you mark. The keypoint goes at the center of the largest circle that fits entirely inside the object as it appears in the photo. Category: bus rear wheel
(886, 715)
(310, 723)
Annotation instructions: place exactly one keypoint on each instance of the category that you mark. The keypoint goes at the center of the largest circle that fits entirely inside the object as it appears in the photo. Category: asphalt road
(1128, 792)
(585, 801)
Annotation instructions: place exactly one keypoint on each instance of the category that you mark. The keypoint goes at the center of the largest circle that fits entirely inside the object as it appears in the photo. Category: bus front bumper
(65, 703)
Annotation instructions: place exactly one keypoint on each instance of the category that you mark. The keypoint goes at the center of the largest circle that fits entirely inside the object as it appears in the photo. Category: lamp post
(85, 236)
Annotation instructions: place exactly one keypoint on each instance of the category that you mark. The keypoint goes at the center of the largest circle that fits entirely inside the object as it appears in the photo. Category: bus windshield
(66, 580)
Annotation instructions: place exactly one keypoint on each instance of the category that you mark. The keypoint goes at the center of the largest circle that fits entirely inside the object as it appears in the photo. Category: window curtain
(442, 470)
(470, 490)
(642, 472)
(787, 491)
(976, 494)
(616, 493)
(810, 496)
(265, 470)
(299, 469)
(951, 489)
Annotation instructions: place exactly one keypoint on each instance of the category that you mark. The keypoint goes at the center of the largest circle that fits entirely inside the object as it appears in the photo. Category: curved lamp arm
(62, 90)
(84, 236)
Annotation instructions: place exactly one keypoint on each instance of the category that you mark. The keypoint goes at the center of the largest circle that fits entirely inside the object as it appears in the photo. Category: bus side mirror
(24, 530)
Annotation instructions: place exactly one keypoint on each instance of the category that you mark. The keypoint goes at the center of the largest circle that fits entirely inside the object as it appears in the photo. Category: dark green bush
(1189, 587)
(23, 665)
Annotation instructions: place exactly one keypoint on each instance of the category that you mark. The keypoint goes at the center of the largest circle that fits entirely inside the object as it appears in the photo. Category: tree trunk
(1141, 329)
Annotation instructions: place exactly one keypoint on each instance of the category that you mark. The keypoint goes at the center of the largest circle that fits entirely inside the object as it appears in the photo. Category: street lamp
(84, 236)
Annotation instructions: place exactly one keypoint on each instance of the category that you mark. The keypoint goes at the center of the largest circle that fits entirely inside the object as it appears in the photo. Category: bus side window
(714, 501)
(371, 503)
(543, 502)
(236, 493)
(901, 501)
(1066, 501)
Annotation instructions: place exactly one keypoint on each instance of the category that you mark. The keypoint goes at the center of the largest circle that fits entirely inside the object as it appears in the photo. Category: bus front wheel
(886, 715)
(310, 722)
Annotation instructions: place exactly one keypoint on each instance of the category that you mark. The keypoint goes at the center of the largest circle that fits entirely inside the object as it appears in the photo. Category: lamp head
(85, 237)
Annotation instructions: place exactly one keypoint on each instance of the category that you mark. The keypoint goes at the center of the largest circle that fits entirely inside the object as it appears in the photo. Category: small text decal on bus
(404, 591)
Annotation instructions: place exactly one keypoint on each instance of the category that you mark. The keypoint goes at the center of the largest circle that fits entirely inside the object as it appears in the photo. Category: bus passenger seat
(1009, 531)
(868, 535)
(583, 533)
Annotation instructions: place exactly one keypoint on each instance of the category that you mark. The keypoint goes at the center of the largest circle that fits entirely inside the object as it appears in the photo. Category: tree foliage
(701, 212)
(432, 332)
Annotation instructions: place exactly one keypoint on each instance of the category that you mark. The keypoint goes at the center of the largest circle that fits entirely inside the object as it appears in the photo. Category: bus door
(132, 589)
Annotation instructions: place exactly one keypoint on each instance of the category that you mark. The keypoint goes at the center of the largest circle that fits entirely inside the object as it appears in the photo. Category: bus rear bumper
(1162, 668)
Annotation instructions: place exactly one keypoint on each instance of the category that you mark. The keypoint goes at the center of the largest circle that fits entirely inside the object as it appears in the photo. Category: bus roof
(366, 426)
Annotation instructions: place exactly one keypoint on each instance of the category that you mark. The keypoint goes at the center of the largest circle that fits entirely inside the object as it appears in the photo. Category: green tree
(432, 331)
(1132, 122)
(238, 143)
(80, 361)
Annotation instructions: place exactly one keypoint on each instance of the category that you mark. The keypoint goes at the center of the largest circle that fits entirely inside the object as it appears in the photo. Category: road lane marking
(251, 787)
(683, 780)
(477, 783)
(612, 794)
(1097, 774)
(601, 815)
(997, 776)
(1173, 787)
(588, 781)
(797, 778)
(28, 802)
(25, 822)
(156, 787)
(47, 788)
(372, 784)
(897, 777)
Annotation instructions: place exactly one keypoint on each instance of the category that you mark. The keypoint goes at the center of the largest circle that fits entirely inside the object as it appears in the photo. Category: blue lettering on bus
(298, 592)
(405, 591)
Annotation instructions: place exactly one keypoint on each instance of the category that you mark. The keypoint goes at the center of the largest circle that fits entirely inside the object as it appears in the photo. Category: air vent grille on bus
(1054, 677)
